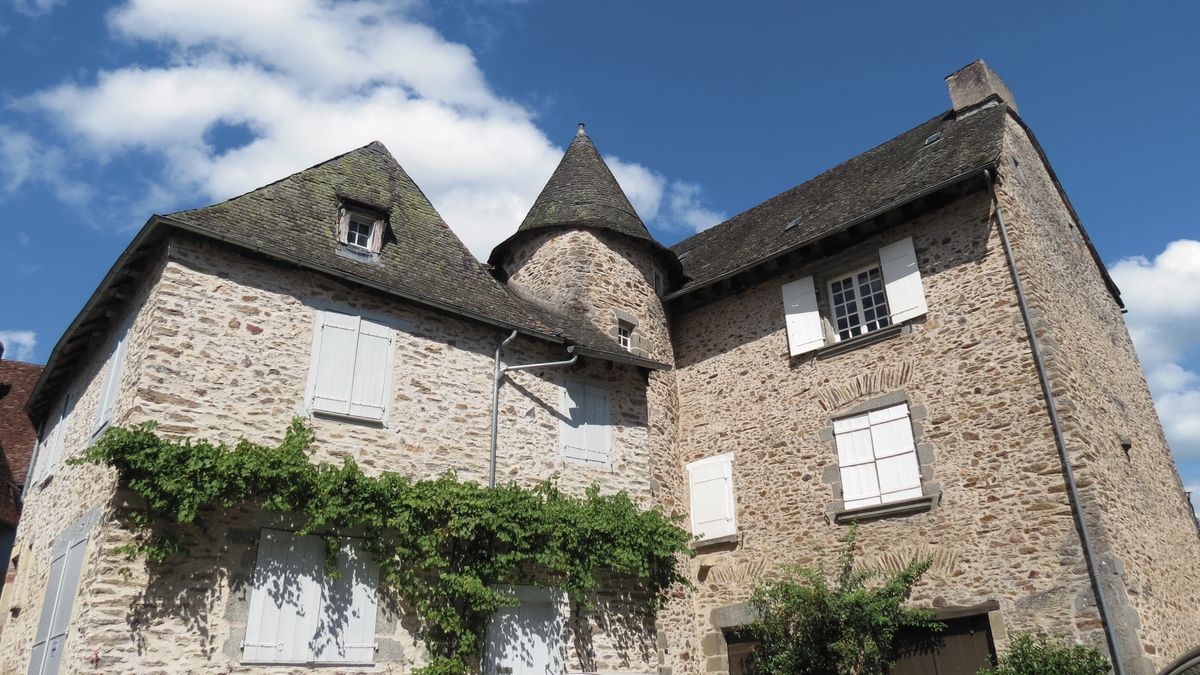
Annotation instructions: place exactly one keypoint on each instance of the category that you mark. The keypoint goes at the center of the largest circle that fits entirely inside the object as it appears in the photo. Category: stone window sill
(734, 538)
(907, 507)
(862, 341)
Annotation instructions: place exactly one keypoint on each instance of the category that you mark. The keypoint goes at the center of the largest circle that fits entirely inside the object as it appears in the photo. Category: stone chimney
(973, 83)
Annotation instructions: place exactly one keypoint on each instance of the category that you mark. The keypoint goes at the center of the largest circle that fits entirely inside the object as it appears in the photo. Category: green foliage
(1039, 655)
(442, 546)
(811, 624)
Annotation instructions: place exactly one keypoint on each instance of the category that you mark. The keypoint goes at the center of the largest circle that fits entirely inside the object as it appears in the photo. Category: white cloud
(674, 205)
(17, 154)
(36, 7)
(1163, 297)
(311, 79)
(18, 344)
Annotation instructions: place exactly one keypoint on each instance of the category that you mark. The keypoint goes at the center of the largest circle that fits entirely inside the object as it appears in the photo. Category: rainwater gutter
(498, 379)
(1059, 440)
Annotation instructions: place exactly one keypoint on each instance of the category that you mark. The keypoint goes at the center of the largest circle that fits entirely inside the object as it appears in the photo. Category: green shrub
(1039, 655)
(810, 624)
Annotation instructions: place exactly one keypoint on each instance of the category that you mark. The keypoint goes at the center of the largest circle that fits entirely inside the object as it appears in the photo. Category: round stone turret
(582, 249)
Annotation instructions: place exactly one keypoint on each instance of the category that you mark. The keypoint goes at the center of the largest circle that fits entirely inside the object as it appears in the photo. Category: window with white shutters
(351, 369)
(586, 423)
(299, 614)
(877, 457)
(111, 387)
(713, 507)
(66, 566)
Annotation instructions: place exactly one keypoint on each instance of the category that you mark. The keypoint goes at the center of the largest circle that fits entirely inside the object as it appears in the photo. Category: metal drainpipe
(498, 379)
(1059, 440)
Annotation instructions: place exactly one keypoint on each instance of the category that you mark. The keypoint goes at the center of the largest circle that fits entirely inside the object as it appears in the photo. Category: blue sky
(112, 111)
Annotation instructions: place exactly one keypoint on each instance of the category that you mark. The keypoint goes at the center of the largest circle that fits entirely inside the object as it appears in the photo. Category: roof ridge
(290, 176)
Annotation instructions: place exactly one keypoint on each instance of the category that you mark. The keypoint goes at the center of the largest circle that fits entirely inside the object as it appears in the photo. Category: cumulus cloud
(18, 344)
(1163, 297)
(310, 79)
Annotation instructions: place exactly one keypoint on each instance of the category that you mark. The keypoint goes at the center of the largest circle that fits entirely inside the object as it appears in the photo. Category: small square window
(858, 303)
(624, 334)
(359, 233)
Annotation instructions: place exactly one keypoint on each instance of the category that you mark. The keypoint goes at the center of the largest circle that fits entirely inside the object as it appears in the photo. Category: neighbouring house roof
(583, 193)
(294, 220)
(872, 182)
(17, 434)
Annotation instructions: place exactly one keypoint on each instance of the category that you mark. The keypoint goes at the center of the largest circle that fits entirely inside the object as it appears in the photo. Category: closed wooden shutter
(713, 508)
(585, 429)
(877, 457)
(66, 568)
(299, 614)
(51, 448)
(285, 598)
(902, 280)
(801, 316)
(346, 627)
(112, 379)
(351, 366)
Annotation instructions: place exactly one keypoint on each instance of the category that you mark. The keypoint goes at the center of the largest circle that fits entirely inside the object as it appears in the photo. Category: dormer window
(360, 229)
(359, 233)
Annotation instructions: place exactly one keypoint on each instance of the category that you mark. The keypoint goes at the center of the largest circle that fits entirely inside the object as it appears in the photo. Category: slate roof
(875, 181)
(582, 192)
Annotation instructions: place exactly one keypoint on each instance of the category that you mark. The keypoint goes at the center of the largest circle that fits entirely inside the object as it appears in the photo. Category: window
(877, 457)
(624, 334)
(351, 369)
(359, 233)
(660, 284)
(299, 614)
(858, 303)
(66, 566)
(527, 637)
(874, 297)
(711, 482)
(112, 379)
(50, 448)
(585, 428)
(360, 228)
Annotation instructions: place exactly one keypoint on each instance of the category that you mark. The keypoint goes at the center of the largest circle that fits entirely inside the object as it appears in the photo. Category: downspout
(1059, 440)
(498, 379)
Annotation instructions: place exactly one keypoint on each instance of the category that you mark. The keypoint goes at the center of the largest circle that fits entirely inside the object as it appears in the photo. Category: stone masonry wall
(1138, 512)
(599, 275)
(1002, 529)
(225, 355)
(53, 504)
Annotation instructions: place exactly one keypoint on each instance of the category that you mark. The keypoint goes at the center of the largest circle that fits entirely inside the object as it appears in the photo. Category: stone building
(17, 438)
(922, 340)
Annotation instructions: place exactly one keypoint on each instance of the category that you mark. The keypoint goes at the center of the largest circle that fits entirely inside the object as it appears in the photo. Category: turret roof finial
(581, 132)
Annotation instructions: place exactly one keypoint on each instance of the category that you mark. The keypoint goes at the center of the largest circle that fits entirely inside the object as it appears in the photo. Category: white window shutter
(376, 242)
(713, 507)
(346, 627)
(41, 638)
(573, 428)
(343, 225)
(597, 432)
(284, 600)
(803, 320)
(334, 354)
(52, 449)
(902, 280)
(372, 370)
(112, 379)
(66, 568)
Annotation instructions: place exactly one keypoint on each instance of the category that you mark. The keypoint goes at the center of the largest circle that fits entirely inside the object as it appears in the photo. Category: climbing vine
(443, 546)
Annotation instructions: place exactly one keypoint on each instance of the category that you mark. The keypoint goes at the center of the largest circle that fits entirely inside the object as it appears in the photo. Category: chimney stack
(973, 83)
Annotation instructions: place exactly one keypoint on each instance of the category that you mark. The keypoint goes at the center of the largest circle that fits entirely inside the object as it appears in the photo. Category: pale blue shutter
(346, 627)
(596, 434)
(803, 321)
(54, 448)
(285, 599)
(66, 568)
(112, 379)
(573, 428)
(372, 370)
(902, 280)
(333, 362)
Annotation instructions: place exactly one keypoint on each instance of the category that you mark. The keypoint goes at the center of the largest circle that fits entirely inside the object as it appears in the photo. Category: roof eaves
(892, 206)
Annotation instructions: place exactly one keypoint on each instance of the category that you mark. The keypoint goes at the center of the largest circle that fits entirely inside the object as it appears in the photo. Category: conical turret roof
(582, 192)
